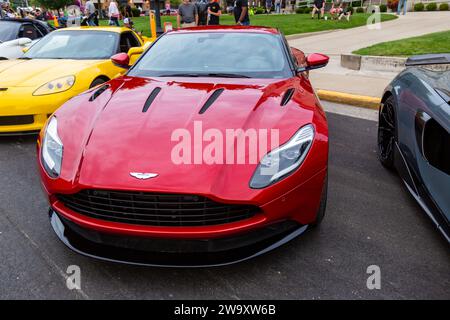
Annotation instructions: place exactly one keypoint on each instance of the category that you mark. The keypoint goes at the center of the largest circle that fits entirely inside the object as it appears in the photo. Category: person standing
(128, 11)
(90, 13)
(241, 12)
(202, 11)
(168, 8)
(187, 15)
(402, 3)
(268, 6)
(278, 6)
(113, 13)
(214, 13)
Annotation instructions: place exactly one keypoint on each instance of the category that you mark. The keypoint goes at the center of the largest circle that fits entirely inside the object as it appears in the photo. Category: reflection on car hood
(32, 73)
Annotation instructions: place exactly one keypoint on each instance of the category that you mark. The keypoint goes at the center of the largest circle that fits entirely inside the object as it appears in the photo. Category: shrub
(135, 12)
(383, 8)
(259, 10)
(307, 10)
(392, 4)
(300, 10)
(431, 7)
(360, 10)
(443, 7)
(419, 7)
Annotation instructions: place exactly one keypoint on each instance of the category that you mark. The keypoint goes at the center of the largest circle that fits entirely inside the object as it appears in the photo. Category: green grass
(430, 43)
(288, 24)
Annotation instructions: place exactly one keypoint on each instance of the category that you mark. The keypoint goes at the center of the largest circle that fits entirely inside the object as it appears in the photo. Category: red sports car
(212, 149)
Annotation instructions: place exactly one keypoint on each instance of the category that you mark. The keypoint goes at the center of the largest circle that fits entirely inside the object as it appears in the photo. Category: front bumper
(174, 252)
(19, 102)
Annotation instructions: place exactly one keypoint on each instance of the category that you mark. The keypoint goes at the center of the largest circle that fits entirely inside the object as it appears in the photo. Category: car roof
(94, 29)
(240, 29)
(21, 20)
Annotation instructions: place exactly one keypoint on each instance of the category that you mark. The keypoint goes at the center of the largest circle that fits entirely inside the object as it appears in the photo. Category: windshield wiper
(180, 75)
(226, 75)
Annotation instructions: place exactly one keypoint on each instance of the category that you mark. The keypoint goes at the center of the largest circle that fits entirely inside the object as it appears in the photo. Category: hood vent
(98, 92)
(287, 96)
(151, 98)
(211, 100)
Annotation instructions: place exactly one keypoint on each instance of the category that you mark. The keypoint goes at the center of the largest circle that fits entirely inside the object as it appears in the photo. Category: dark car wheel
(323, 204)
(387, 133)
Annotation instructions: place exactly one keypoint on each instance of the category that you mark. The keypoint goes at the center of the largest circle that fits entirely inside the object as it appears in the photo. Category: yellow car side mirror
(25, 50)
(134, 54)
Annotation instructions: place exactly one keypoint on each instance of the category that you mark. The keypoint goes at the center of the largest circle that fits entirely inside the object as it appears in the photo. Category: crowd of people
(204, 12)
(190, 12)
(6, 11)
(339, 9)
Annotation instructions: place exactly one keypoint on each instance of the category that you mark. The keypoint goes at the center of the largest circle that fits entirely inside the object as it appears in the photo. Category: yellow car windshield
(75, 45)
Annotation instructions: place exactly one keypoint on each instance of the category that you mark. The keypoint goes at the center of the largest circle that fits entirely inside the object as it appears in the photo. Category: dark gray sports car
(414, 133)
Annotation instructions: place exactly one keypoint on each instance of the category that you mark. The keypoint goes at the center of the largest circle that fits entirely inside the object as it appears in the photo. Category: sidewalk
(364, 83)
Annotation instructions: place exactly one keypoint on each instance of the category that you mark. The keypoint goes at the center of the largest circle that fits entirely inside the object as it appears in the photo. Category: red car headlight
(52, 149)
(281, 161)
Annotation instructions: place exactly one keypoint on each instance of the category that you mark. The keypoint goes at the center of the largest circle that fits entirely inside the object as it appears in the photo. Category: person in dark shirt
(214, 13)
(319, 5)
(241, 12)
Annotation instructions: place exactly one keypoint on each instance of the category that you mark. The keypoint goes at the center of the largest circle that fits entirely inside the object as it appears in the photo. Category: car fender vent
(287, 96)
(211, 100)
(98, 92)
(151, 98)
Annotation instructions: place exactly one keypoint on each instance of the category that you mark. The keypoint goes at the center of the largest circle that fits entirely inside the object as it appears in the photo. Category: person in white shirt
(113, 13)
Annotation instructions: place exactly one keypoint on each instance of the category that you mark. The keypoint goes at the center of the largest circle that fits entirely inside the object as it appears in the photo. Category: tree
(55, 4)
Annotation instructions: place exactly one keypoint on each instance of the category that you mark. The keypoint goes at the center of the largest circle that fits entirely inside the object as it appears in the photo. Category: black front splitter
(173, 252)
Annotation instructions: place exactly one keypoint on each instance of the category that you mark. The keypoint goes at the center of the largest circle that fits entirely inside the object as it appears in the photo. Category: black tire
(323, 204)
(387, 133)
(97, 81)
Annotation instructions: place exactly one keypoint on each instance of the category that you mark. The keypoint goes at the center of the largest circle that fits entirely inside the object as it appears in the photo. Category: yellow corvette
(63, 64)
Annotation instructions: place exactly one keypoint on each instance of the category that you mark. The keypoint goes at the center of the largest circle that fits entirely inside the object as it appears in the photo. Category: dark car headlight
(281, 161)
(52, 149)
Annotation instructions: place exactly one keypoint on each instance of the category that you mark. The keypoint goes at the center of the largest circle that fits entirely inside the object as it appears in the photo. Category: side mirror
(25, 50)
(314, 61)
(134, 54)
(121, 60)
(135, 51)
(24, 41)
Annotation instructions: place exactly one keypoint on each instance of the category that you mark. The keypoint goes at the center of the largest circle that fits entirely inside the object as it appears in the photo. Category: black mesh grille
(155, 209)
(16, 120)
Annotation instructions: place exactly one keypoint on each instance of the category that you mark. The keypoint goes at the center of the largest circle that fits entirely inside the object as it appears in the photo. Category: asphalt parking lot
(370, 220)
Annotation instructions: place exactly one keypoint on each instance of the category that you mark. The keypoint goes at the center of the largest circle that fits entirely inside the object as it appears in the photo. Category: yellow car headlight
(55, 86)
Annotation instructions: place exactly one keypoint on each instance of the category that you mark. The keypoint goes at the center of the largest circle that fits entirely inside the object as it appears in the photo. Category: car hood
(120, 138)
(36, 72)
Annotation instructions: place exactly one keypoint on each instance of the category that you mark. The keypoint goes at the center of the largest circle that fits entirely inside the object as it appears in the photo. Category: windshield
(8, 30)
(75, 45)
(222, 54)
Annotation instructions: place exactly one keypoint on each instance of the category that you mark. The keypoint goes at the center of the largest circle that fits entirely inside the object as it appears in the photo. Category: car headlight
(55, 86)
(281, 161)
(52, 149)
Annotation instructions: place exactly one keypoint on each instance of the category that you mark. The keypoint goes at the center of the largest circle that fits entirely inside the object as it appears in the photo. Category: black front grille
(155, 209)
(16, 120)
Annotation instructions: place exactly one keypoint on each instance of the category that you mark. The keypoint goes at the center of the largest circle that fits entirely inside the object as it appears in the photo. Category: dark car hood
(124, 139)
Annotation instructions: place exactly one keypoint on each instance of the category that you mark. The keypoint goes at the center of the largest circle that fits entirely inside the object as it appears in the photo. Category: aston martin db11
(211, 149)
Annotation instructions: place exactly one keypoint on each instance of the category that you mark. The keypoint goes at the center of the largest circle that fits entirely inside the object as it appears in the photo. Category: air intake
(211, 100)
(98, 92)
(287, 96)
(151, 98)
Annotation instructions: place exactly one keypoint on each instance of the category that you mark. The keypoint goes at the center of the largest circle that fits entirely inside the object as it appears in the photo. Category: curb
(373, 63)
(350, 99)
